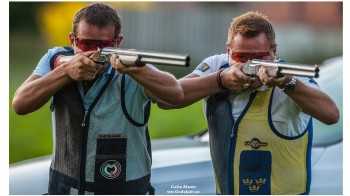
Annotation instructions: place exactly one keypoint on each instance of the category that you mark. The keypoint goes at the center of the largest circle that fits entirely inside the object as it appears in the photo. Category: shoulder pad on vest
(67, 52)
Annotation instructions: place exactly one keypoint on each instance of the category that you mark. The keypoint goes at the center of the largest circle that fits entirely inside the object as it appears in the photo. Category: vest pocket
(110, 161)
(255, 173)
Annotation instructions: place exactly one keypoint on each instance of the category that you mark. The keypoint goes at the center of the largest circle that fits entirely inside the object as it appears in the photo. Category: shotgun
(279, 69)
(140, 57)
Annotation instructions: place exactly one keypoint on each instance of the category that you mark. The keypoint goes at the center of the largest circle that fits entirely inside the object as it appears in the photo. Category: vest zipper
(230, 153)
(85, 114)
(81, 185)
(83, 147)
(233, 144)
(230, 160)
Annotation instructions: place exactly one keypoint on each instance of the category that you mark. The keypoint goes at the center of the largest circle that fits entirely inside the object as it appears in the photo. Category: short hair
(251, 24)
(98, 14)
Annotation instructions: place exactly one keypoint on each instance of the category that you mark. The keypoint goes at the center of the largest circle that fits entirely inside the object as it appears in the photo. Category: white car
(183, 166)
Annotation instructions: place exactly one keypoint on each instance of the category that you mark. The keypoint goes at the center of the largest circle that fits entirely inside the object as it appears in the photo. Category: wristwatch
(290, 86)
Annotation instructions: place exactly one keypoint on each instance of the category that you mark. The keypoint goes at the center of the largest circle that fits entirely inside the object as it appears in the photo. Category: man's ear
(228, 48)
(119, 40)
(274, 49)
(71, 39)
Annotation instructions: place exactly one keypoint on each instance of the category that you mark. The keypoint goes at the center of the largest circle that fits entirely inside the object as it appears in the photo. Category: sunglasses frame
(94, 43)
(248, 55)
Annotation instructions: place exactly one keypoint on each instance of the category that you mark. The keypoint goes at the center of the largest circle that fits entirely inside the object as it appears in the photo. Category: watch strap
(290, 86)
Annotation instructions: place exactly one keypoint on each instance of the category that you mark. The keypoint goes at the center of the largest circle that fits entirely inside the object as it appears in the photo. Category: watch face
(289, 87)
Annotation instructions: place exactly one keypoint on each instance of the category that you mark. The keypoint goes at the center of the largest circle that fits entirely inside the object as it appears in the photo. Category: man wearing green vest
(99, 111)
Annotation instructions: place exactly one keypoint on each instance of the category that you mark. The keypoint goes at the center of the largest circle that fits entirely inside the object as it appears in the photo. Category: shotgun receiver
(140, 57)
(279, 69)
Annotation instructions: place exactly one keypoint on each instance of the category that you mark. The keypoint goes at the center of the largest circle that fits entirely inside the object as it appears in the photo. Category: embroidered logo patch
(255, 143)
(110, 169)
(203, 67)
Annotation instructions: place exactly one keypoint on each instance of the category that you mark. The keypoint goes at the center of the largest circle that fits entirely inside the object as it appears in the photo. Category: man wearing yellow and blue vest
(260, 133)
(99, 111)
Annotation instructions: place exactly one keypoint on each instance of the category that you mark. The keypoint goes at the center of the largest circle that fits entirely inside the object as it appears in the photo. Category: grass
(30, 135)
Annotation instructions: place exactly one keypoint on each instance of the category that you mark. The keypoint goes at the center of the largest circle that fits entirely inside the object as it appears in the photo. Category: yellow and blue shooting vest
(250, 156)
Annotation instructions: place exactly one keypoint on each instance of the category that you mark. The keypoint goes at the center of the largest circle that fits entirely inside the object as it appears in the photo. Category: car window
(331, 82)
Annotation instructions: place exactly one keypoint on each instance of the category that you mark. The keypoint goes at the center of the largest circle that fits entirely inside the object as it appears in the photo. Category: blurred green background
(306, 32)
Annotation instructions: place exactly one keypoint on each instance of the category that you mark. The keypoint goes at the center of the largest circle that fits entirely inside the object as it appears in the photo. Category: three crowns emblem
(254, 188)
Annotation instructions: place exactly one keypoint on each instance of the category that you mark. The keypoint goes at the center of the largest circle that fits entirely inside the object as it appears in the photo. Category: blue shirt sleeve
(136, 96)
(43, 66)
